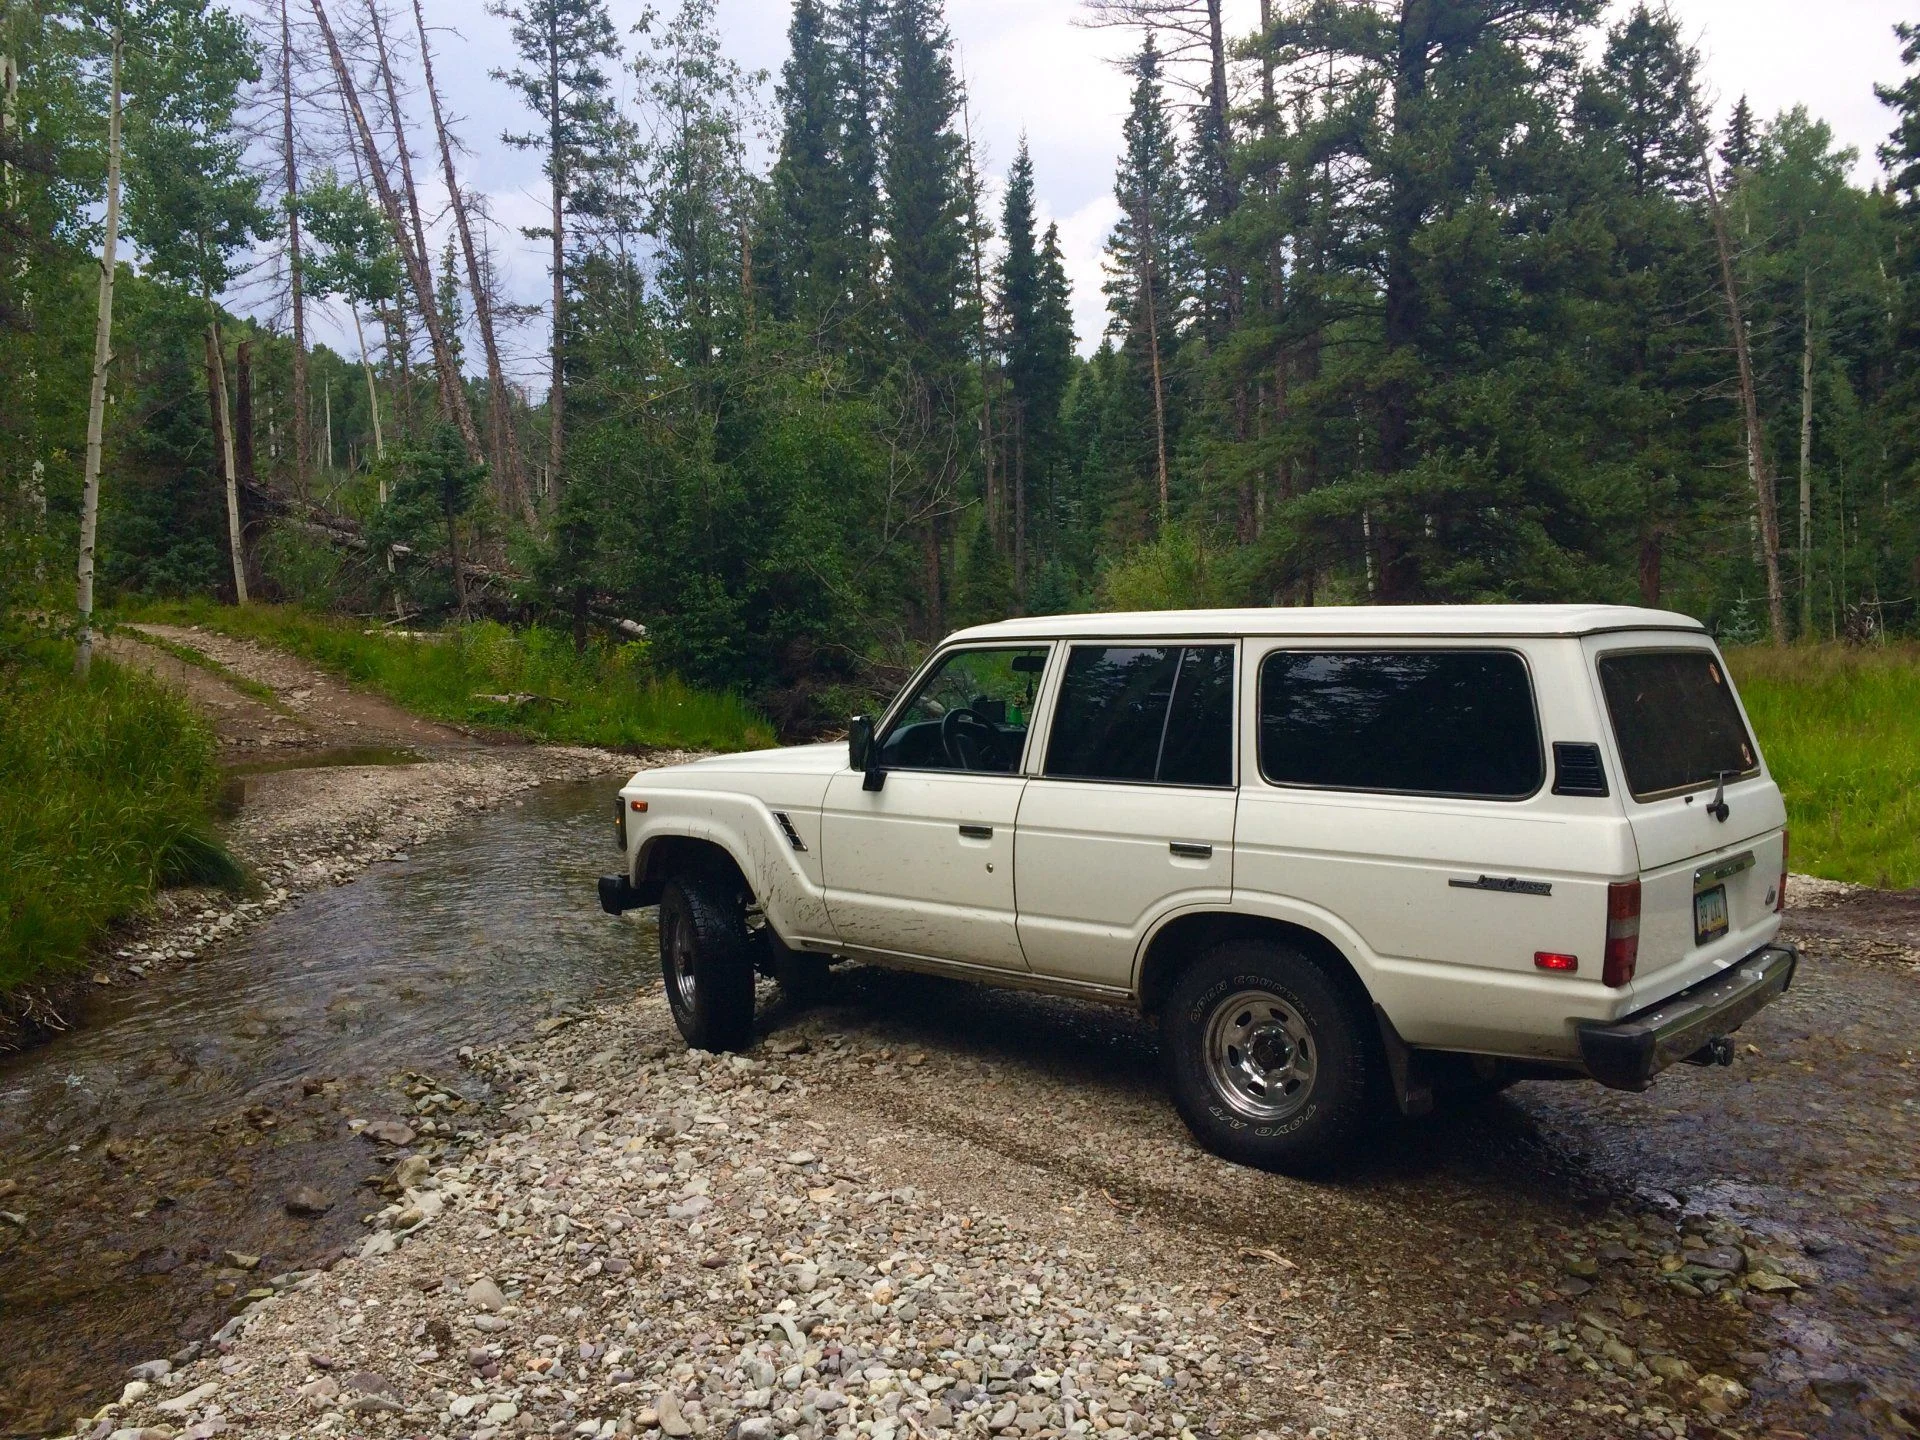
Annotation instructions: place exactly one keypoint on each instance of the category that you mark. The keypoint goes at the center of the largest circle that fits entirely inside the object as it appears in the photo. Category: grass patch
(1841, 731)
(107, 791)
(611, 696)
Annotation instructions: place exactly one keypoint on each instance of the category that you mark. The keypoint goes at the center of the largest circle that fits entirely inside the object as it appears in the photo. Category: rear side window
(1675, 720)
(1418, 722)
(1147, 714)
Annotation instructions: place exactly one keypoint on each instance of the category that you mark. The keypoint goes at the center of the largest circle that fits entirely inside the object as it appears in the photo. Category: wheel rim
(1260, 1055)
(676, 948)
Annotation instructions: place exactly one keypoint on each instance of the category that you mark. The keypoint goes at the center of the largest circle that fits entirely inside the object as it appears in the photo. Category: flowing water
(171, 1129)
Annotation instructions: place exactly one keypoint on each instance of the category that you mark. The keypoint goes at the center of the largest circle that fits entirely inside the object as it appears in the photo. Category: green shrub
(106, 792)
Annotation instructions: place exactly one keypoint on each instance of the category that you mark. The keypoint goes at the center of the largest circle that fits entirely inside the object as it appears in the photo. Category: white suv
(1341, 854)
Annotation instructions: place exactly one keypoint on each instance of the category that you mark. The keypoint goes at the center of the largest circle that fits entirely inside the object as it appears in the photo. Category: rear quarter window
(1414, 722)
(1675, 720)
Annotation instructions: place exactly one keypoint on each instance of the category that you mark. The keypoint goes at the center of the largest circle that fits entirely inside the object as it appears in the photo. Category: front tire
(1268, 1058)
(706, 964)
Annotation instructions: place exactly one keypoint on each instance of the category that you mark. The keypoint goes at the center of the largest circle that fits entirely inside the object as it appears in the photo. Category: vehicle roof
(1342, 620)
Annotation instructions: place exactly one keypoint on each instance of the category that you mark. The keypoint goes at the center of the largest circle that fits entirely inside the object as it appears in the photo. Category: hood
(789, 760)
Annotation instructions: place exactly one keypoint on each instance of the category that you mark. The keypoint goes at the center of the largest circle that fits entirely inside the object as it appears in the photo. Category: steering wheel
(968, 740)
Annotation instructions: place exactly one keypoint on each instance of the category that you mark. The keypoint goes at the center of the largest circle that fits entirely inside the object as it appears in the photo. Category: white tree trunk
(1806, 457)
(219, 381)
(102, 356)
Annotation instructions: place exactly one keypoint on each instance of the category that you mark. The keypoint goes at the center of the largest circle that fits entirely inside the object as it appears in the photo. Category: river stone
(411, 1171)
(671, 1421)
(150, 1370)
(305, 1200)
(180, 1404)
(389, 1132)
(483, 1294)
(1768, 1283)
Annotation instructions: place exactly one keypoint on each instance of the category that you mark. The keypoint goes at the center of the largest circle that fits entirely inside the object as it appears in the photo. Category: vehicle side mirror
(862, 753)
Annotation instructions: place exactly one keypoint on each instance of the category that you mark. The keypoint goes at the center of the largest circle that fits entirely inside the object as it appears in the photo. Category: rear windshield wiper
(1718, 807)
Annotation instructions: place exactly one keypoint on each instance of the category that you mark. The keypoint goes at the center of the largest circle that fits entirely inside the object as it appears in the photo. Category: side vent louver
(793, 835)
(1577, 769)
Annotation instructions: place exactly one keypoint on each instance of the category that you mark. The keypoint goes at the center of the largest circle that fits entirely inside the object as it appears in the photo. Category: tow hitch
(1717, 1051)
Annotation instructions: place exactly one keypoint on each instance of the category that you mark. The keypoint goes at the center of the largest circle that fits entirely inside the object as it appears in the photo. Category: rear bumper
(618, 894)
(1628, 1053)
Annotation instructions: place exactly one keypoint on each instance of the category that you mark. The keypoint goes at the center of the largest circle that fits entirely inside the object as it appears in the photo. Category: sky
(1031, 70)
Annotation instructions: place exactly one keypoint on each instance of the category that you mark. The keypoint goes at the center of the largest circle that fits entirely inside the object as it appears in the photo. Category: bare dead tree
(295, 280)
(506, 444)
(453, 396)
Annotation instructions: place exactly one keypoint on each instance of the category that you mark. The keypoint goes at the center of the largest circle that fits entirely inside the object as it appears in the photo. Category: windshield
(970, 713)
(1676, 721)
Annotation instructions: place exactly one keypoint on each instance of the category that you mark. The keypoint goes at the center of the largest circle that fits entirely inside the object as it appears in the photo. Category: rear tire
(1269, 1059)
(706, 963)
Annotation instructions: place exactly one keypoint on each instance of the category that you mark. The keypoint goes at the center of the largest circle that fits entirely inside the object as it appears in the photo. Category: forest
(1408, 300)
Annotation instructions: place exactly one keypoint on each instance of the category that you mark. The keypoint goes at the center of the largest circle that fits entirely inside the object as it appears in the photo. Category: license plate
(1709, 914)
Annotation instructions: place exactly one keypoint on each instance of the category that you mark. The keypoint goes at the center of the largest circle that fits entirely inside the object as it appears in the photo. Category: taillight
(1623, 932)
(1780, 898)
(1554, 960)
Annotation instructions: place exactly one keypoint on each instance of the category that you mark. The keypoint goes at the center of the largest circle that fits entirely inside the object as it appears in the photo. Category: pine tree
(695, 179)
(809, 231)
(1737, 151)
(564, 47)
(926, 252)
(925, 204)
(860, 33)
(1665, 438)
(1034, 304)
(1147, 254)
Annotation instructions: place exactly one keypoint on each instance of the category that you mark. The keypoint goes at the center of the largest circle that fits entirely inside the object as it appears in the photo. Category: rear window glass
(1675, 719)
(1149, 714)
(1422, 722)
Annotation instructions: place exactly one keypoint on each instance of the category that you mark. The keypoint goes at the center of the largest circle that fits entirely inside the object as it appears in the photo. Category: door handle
(976, 832)
(1186, 851)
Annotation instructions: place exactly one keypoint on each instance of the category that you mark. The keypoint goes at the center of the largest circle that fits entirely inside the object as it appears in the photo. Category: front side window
(970, 713)
(1419, 722)
(1160, 714)
(1675, 719)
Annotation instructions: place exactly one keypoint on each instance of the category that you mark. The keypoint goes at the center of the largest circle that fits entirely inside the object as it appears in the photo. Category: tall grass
(106, 792)
(1841, 731)
(610, 696)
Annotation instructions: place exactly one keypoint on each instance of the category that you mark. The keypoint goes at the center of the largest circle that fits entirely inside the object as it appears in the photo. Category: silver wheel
(677, 949)
(1260, 1056)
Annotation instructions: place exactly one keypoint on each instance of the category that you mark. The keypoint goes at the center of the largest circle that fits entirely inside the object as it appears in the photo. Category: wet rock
(1671, 1367)
(306, 1201)
(1768, 1283)
(239, 1260)
(388, 1132)
(1582, 1267)
(410, 1171)
(150, 1370)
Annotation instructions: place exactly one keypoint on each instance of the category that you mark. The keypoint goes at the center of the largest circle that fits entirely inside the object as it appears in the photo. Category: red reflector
(639, 806)
(1547, 960)
(1623, 933)
(1780, 900)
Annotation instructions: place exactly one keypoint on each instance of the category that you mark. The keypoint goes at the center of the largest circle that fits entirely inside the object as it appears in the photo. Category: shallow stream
(170, 1129)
